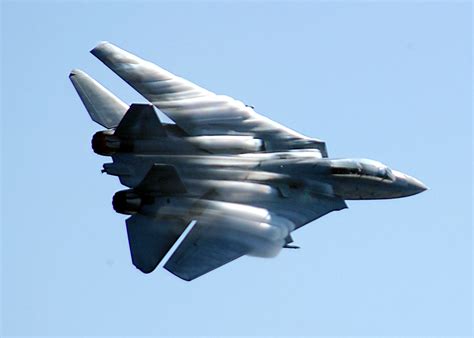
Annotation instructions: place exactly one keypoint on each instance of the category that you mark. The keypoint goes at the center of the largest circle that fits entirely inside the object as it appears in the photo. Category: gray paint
(247, 181)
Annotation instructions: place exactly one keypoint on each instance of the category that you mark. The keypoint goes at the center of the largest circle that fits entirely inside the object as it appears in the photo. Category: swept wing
(196, 110)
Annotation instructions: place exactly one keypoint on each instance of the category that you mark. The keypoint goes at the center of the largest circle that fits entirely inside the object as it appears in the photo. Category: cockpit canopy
(361, 167)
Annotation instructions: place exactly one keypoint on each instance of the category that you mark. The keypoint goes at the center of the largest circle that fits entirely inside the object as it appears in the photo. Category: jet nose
(409, 185)
(415, 185)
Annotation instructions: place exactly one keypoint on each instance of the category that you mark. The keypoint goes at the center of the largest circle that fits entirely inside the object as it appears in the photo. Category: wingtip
(100, 44)
(181, 276)
(75, 72)
(146, 269)
(111, 55)
(102, 48)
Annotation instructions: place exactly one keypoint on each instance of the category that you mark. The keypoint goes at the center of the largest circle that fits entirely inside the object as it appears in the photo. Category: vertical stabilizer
(104, 107)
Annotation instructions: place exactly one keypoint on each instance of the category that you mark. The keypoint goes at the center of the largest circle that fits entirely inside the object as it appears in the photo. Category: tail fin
(104, 107)
(151, 238)
(140, 121)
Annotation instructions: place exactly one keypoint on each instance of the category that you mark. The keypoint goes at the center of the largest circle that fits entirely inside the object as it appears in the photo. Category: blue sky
(390, 81)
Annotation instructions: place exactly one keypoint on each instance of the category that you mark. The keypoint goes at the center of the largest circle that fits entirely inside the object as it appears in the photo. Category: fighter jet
(238, 182)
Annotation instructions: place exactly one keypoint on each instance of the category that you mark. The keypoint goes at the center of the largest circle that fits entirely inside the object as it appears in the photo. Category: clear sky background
(387, 81)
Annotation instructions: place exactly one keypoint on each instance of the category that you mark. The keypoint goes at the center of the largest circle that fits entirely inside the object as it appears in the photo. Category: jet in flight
(238, 182)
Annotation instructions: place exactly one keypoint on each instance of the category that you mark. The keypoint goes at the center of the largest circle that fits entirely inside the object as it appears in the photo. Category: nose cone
(415, 185)
(409, 185)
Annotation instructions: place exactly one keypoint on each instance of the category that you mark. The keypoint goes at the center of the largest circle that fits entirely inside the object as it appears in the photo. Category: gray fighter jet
(246, 181)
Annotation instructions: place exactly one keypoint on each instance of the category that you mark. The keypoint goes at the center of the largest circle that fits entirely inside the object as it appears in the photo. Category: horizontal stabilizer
(140, 122)
(150, 239)
(162, 179)
(104, 107)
